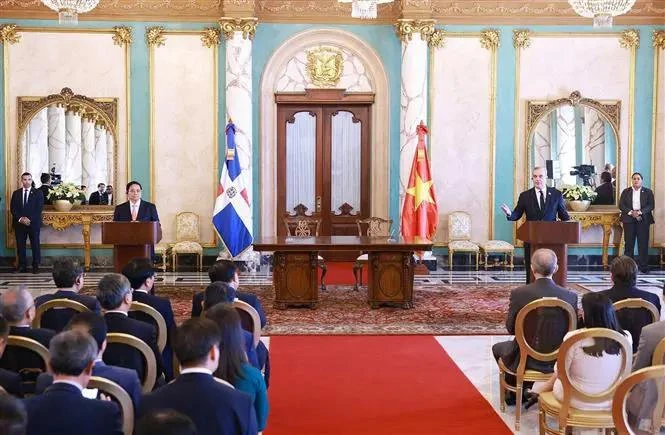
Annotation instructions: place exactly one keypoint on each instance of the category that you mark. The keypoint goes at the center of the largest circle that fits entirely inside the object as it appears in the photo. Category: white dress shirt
(196, 370)
(132, 210)
(636, 199)
(544, 193)
(75, 384)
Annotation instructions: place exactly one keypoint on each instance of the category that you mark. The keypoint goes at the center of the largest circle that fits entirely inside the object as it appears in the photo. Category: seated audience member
(141, 276)
(606, 192)
(115, 295)
(165, 422)
(94, 324)
(9, 381)
(624, 277)
(13, 418)
(62, 409)
(546, 329)
(592, 364)
(99, 197)
(68, 278)
(213, 407)
(233, 365)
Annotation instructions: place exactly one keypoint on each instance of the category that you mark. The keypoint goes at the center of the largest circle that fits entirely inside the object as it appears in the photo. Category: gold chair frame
(151, 364)
(658, 359)
(637, 303)
(619, 414)
(256, 320)
(451, 252)
(303, 228)
(374, 228)
(561, 411)
(54, 304)
(114, 390)
(521, 373)
(162, 332)
(31, 345)
(174, 252)
(223, 382)
(506, 254)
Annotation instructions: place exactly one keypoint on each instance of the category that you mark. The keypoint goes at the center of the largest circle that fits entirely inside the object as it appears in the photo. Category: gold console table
(82, 215)
(606, 219)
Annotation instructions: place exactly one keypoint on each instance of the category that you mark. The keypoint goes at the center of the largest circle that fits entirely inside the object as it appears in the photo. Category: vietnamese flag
(419, 213)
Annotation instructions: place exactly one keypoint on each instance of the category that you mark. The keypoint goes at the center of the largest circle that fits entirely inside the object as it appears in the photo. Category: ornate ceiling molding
(230, 25)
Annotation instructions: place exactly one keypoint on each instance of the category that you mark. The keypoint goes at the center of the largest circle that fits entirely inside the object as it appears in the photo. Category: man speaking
(541, 203)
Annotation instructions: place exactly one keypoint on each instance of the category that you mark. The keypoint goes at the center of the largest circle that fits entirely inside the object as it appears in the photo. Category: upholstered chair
(306, 226)
(459, 236)
(187, 234)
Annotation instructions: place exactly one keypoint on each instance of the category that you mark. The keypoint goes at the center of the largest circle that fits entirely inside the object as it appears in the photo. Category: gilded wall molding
(155, 37)
(211, 37)
(521, 38)
(405, 28)
(122, 35)
(230, 25)
(9, 34)
(490, 39)
(659, 39)
(437, 39)
(630, 38)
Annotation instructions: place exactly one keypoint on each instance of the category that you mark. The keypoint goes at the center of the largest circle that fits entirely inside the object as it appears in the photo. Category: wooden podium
(130, 240)
(551, 235)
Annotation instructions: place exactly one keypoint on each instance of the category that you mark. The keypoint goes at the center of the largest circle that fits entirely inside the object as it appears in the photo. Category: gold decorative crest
(659, 39)
(211, 37)
(521, 38)
(630, 38)
(489, 39)
(8, 34)
(154, 36)
(122, 35)
(325, 66)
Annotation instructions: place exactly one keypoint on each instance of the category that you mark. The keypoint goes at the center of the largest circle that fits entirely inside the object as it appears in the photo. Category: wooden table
(604, 218)
(295, 262)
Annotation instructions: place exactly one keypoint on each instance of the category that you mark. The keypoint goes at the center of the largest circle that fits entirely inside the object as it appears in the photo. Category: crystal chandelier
(601, 11)
(364, 9)
(68, 10)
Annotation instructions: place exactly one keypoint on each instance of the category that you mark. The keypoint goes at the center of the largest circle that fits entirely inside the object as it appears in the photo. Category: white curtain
(345, 162)
(301, 162)
(36, 146)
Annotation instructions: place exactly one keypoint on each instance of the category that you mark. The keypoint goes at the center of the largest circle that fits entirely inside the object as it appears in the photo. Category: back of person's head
(137, 271)
(13, 416)
(15, 302)
(624, 271)
(599, 313)
(232, 345)
(71, 352)
(112, 289)
(165, 422)
(217, 293)
(194, 339)
(65, 272)
(544, 262)
(222, 270)
(606, 177)
(91, 323)
(45, 177)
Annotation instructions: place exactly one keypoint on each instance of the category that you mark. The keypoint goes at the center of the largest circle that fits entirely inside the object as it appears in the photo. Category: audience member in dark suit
(94, 324)
(605, 191)
(135, 209)
(115, 295)
(165, 422)
(18, 309)
(624, 277)
(45, 188)
(26, 207)
(9, 381)
(109, 194)
(546, 328)
(636, 204)
(141, 276)
(541, 203)
(69, 279)
(99, 197)
(62, 409)
(13, 417)
(214, 408)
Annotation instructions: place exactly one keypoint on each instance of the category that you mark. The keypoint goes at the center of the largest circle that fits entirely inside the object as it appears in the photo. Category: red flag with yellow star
(420, 215)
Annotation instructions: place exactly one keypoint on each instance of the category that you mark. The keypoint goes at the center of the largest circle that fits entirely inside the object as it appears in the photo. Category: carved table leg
(607, 230)
(85, 227)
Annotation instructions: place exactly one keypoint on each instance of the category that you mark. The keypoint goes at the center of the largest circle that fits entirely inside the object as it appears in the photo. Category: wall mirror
(70, 136)
(577, 139)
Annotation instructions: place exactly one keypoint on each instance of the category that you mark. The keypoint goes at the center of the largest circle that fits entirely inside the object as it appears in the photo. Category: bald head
(17, 305)
(544, 263)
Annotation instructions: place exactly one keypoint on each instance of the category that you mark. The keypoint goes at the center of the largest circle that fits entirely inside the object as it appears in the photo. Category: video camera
(585, 172)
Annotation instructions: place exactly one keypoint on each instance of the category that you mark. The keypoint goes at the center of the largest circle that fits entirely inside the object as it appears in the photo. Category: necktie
(134, 213)
(25, 197)
(541, 200)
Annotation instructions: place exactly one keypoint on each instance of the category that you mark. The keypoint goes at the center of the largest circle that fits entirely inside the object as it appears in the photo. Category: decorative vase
(77, 202)
(62, 205)
(579, 205)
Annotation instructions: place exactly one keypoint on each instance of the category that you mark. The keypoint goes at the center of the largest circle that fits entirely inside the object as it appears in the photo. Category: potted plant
(63, 196)
(80, 198)
(578, 197)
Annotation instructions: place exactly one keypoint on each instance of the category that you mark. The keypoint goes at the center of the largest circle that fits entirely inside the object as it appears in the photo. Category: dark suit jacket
(197, 304)
(214, 408)
(528, 204)
(11, 382)
(147, 212)
(646, 202)
(58, 319)
(45, 191)
(605, 194)
(97, 199)
(126, 378)
(15, 359)
(62, 410)
(547, 327)
(162, 305)
(32, 210)
(632, 320)
(122, 356)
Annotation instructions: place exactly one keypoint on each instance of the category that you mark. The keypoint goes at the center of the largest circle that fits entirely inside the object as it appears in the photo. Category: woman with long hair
(233, 365)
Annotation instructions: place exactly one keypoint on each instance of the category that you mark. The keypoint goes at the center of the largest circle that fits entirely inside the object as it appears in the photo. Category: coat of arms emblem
(324, 66)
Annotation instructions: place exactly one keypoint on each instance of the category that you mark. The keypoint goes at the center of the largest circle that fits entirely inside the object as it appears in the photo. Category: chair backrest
(56, 304)
(619, 415)
(459, 226)
(150, 375)
(249, 319)
(187, 227)
(302, 226)
(525, 348)
(28, 358)
(31, 345)
(374, 226)
(658, 357)
(118, 395)
(570, 389)
(638, 303)
(157, 319)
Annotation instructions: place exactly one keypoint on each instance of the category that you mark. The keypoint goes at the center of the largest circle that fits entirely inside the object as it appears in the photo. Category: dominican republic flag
(232, 217)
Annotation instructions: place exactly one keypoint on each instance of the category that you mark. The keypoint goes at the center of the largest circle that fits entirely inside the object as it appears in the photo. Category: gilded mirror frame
(105, 109)
(609, 110)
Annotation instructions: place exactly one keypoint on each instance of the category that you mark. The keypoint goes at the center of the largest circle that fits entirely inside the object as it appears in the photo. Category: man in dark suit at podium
(26, 206)
(135, 209)
(540, 203)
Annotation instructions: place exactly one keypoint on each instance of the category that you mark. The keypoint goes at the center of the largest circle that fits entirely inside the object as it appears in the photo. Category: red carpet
(341, 272)
(397, 385)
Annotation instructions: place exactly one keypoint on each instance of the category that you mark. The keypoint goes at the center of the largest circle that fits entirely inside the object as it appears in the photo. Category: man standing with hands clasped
(26, 207)
(636, 204)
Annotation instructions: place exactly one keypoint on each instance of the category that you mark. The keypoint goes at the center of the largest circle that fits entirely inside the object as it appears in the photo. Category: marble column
(101, 159)
(36, 146)
(56, 138)
(73, 156)
(107, 172)
(89, 168)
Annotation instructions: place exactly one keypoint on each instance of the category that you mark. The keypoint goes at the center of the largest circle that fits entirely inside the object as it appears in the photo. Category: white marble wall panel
(460, 134)
(89, 166)
(57, 136)
(184, 139)
(104, 172)
(73, 152)
(101, 147)
(658, 177)
(36, 146)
